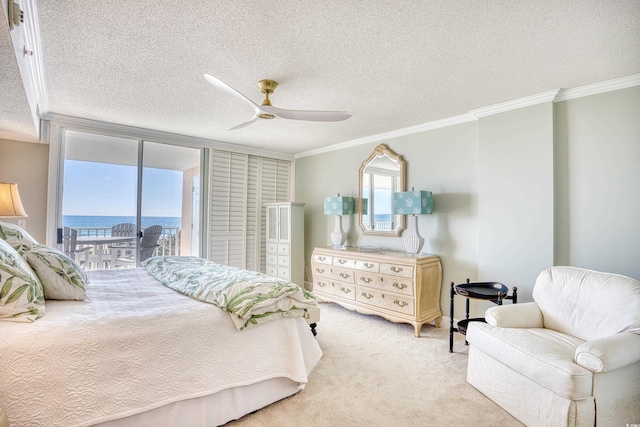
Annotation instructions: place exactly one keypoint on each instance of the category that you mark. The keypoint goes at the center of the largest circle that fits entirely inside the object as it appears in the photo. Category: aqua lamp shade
(339, 205)
(412, 203)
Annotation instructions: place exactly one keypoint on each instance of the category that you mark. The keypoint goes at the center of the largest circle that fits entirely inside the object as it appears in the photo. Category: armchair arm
(609, 353)
(526, 315)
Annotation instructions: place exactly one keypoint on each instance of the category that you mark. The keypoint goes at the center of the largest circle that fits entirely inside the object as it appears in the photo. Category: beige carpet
(376, 373)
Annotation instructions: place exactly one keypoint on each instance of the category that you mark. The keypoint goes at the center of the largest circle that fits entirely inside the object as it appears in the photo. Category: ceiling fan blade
(231, 91)
(310, 115)
(245, 124)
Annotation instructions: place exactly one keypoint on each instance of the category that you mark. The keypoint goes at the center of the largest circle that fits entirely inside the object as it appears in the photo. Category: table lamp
(10, 204)
(338, 206)
(413, 203)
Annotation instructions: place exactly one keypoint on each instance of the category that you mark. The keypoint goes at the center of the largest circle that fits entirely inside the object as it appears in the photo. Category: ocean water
(84, 221)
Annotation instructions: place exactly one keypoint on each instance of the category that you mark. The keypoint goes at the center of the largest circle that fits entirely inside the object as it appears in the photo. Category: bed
(136, 352)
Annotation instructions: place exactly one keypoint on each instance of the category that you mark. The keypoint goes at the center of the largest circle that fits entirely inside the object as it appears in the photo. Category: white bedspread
(134, 345)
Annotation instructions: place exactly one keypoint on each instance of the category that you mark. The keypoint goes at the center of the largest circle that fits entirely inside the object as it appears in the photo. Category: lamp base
(412, 240)
(338, 236)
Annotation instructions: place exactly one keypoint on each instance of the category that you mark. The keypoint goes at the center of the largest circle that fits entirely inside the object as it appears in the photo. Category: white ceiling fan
(267, 111)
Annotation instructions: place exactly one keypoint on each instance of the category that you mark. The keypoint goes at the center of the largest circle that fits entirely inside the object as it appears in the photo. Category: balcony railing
(91, 259)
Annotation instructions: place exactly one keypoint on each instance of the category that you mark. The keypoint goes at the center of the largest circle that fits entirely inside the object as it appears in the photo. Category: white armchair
(570, 358)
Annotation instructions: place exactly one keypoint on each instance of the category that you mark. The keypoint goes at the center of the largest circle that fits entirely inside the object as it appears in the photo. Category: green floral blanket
(251, 298)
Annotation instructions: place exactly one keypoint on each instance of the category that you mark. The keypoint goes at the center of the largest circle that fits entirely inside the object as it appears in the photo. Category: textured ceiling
(393, 64)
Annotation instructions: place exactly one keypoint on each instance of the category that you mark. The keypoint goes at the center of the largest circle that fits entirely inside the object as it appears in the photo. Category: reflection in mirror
(381, 175)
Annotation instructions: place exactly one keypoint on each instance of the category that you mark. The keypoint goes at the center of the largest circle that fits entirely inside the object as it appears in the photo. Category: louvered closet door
(241, 185)
(268, 182)
(228, 197)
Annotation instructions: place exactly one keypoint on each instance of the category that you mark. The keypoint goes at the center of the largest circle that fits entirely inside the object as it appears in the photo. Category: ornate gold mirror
(381, 175)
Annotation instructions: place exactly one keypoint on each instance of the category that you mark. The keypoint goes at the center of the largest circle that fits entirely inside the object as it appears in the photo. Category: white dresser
(285, 241)
(397, 286)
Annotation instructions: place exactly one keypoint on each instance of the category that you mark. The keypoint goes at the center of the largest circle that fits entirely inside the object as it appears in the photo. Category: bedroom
(567, 199)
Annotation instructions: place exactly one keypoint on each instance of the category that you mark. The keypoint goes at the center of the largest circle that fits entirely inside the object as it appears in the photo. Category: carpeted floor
(376, 373)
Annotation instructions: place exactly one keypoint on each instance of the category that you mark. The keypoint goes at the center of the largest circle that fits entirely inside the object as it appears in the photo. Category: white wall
(444, 161)
(515, 213)
(598, 182)
(514, 193)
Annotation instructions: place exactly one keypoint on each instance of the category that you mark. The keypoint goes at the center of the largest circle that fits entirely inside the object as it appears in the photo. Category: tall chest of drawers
(285, 241)
(397, 286)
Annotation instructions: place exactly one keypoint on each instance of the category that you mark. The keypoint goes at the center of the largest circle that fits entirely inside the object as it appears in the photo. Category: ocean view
(85, 221)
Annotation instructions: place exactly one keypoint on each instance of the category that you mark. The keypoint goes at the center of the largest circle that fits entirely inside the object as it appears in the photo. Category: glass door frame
(57, 138)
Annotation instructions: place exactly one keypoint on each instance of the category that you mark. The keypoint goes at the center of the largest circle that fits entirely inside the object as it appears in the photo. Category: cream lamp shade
(413, 203)
(10, 204)
(339, 206)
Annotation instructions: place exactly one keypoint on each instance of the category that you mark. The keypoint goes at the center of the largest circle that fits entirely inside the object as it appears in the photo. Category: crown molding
(596, 88)
(449, 121)
(556, 95)
(527, 101)
(87, 125)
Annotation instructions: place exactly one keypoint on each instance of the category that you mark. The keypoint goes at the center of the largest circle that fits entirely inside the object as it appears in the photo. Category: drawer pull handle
(401, 303)
(345, 275)
(399, 285)
(396, 269)
(342, 261)
(369, 265)
(346, 291)
(321, 258)
(366, 279)
(322, 285)
(367, 296)
(320, 270)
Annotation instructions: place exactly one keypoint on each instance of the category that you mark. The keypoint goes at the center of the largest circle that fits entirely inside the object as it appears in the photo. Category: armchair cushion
(610, 353)
(526, 315)
(588, 304)
(542, 355)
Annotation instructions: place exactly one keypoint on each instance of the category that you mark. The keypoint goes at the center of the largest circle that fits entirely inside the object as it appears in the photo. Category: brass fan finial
(267, 86)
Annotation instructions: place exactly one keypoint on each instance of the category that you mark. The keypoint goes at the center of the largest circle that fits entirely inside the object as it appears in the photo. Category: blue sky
(101, 189)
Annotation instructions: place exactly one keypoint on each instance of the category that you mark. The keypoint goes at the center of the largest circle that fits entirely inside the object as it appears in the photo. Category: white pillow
(16, 237)
(21, 294)
(61, 277)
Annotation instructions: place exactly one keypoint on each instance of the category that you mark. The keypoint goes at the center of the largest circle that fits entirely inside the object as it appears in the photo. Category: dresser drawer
(344, 262)
(342, 290)
(371, 266)
(272, 259)
(320, 270)
(399, 285)
(272, 270)
(396, 270)
(368, 279)
(284, 261)
(389, 301)
(284, 249)
(342, 274)
(284, 273)
(322, 259)
(272, 248)
(385, 283)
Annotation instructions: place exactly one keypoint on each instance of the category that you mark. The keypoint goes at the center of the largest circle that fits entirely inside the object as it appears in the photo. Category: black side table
(490, 291)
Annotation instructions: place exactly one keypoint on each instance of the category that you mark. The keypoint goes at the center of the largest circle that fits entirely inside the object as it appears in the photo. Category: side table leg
(451, 319)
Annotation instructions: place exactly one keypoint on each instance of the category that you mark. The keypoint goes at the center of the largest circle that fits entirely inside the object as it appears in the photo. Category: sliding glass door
(124, 200)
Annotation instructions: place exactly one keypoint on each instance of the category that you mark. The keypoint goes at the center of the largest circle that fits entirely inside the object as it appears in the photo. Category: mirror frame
(382, 150)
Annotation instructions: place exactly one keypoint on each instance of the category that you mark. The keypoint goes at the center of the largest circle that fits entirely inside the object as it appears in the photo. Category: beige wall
(514, 193)
(28, 164)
